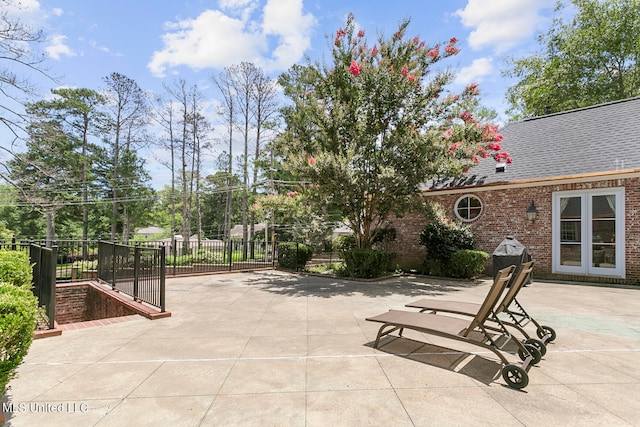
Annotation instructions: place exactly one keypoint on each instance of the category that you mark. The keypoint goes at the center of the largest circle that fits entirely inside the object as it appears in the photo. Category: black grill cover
(510, 252)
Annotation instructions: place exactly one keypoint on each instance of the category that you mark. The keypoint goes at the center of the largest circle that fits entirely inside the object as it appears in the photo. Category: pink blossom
(475, 159)
(453, 40)
(503, 156)
(309, 93)
(495, 146)
(361, 33)
(509, 160)
(354, 68)
(374, 51)
(452, 98)
(434, 52)
(415, 40)
(411, 78)
(451, 50)
(405, 70)
(311, 160)
(466, 116)
(341, 33)
(447, 133)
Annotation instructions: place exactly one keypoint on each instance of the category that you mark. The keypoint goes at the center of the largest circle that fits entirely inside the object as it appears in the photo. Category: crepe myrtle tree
(365, 130)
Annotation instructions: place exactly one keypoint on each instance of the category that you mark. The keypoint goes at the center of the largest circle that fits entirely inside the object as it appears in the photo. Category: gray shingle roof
(601, 138)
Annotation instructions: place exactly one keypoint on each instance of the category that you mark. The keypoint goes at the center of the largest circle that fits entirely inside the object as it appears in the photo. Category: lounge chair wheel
(546, 330)
(533, 350)
(542, 348)
(515, 376)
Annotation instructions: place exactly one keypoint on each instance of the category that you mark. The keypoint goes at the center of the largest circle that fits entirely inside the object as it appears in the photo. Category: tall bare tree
(165, 115)
(265, 107)
(128, 116)
(199, 128)
(224, 83)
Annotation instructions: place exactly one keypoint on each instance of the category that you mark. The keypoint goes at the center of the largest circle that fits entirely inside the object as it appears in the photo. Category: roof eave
(595, 176)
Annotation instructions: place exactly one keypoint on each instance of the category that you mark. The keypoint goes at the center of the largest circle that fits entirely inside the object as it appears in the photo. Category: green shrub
(18, 313)
(467, 263)
(344, 243)
(15, 268)
(293, 255)
(365, 263)
(205, 256)
(18, 321)
(180, 260)
(444, 237)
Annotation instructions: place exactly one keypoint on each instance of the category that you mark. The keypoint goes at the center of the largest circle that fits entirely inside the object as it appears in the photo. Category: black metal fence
(134, 270)
(44, 278)
(209, 256)
(77, 260)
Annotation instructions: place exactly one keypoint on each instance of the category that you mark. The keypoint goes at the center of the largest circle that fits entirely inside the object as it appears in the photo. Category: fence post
(273, 253)
(13, 242)
(297, 250)
(51, 308)
(136, 271)
(162, 280)
(113, 267)
(230, 254)
(175, 254)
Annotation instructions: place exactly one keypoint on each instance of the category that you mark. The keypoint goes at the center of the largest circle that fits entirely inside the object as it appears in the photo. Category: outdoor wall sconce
(532, 212)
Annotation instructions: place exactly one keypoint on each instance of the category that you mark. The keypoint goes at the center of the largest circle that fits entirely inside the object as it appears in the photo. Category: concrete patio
(276, 349)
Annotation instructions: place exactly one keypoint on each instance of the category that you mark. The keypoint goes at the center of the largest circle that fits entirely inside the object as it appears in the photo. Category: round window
(468, 208)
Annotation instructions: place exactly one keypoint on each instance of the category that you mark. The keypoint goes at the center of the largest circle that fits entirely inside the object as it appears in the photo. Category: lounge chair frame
(458, 329)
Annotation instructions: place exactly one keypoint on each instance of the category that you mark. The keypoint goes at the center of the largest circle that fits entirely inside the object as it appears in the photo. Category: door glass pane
(603, 226)
(571, 254)
(570, 231)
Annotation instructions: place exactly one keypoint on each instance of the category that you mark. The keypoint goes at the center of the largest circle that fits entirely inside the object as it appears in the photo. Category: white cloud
(216, 39)
(502, 24)
(22, 7)
(284, 19)
(475, 72)
(57, 48)
(94, 44)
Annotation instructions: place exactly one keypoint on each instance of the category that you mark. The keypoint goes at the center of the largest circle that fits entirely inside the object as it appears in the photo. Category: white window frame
(586, 200)
(455, 207)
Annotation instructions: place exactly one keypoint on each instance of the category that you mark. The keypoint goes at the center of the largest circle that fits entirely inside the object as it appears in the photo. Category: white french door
(588, 232)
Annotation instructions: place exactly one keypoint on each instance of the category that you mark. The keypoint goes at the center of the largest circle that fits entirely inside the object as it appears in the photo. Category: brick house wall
(504, 214)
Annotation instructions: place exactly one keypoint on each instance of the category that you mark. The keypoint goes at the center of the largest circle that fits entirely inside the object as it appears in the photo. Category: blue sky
(159, 41)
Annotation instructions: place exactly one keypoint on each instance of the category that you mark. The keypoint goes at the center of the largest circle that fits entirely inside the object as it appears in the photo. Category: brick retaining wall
(83, 301)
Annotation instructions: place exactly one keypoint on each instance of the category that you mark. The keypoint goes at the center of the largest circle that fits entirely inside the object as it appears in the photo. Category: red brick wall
(82, 302)
(504, 214)
(71, 304)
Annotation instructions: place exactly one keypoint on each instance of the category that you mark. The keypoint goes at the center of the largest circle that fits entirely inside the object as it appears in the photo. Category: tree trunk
(50, 216)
